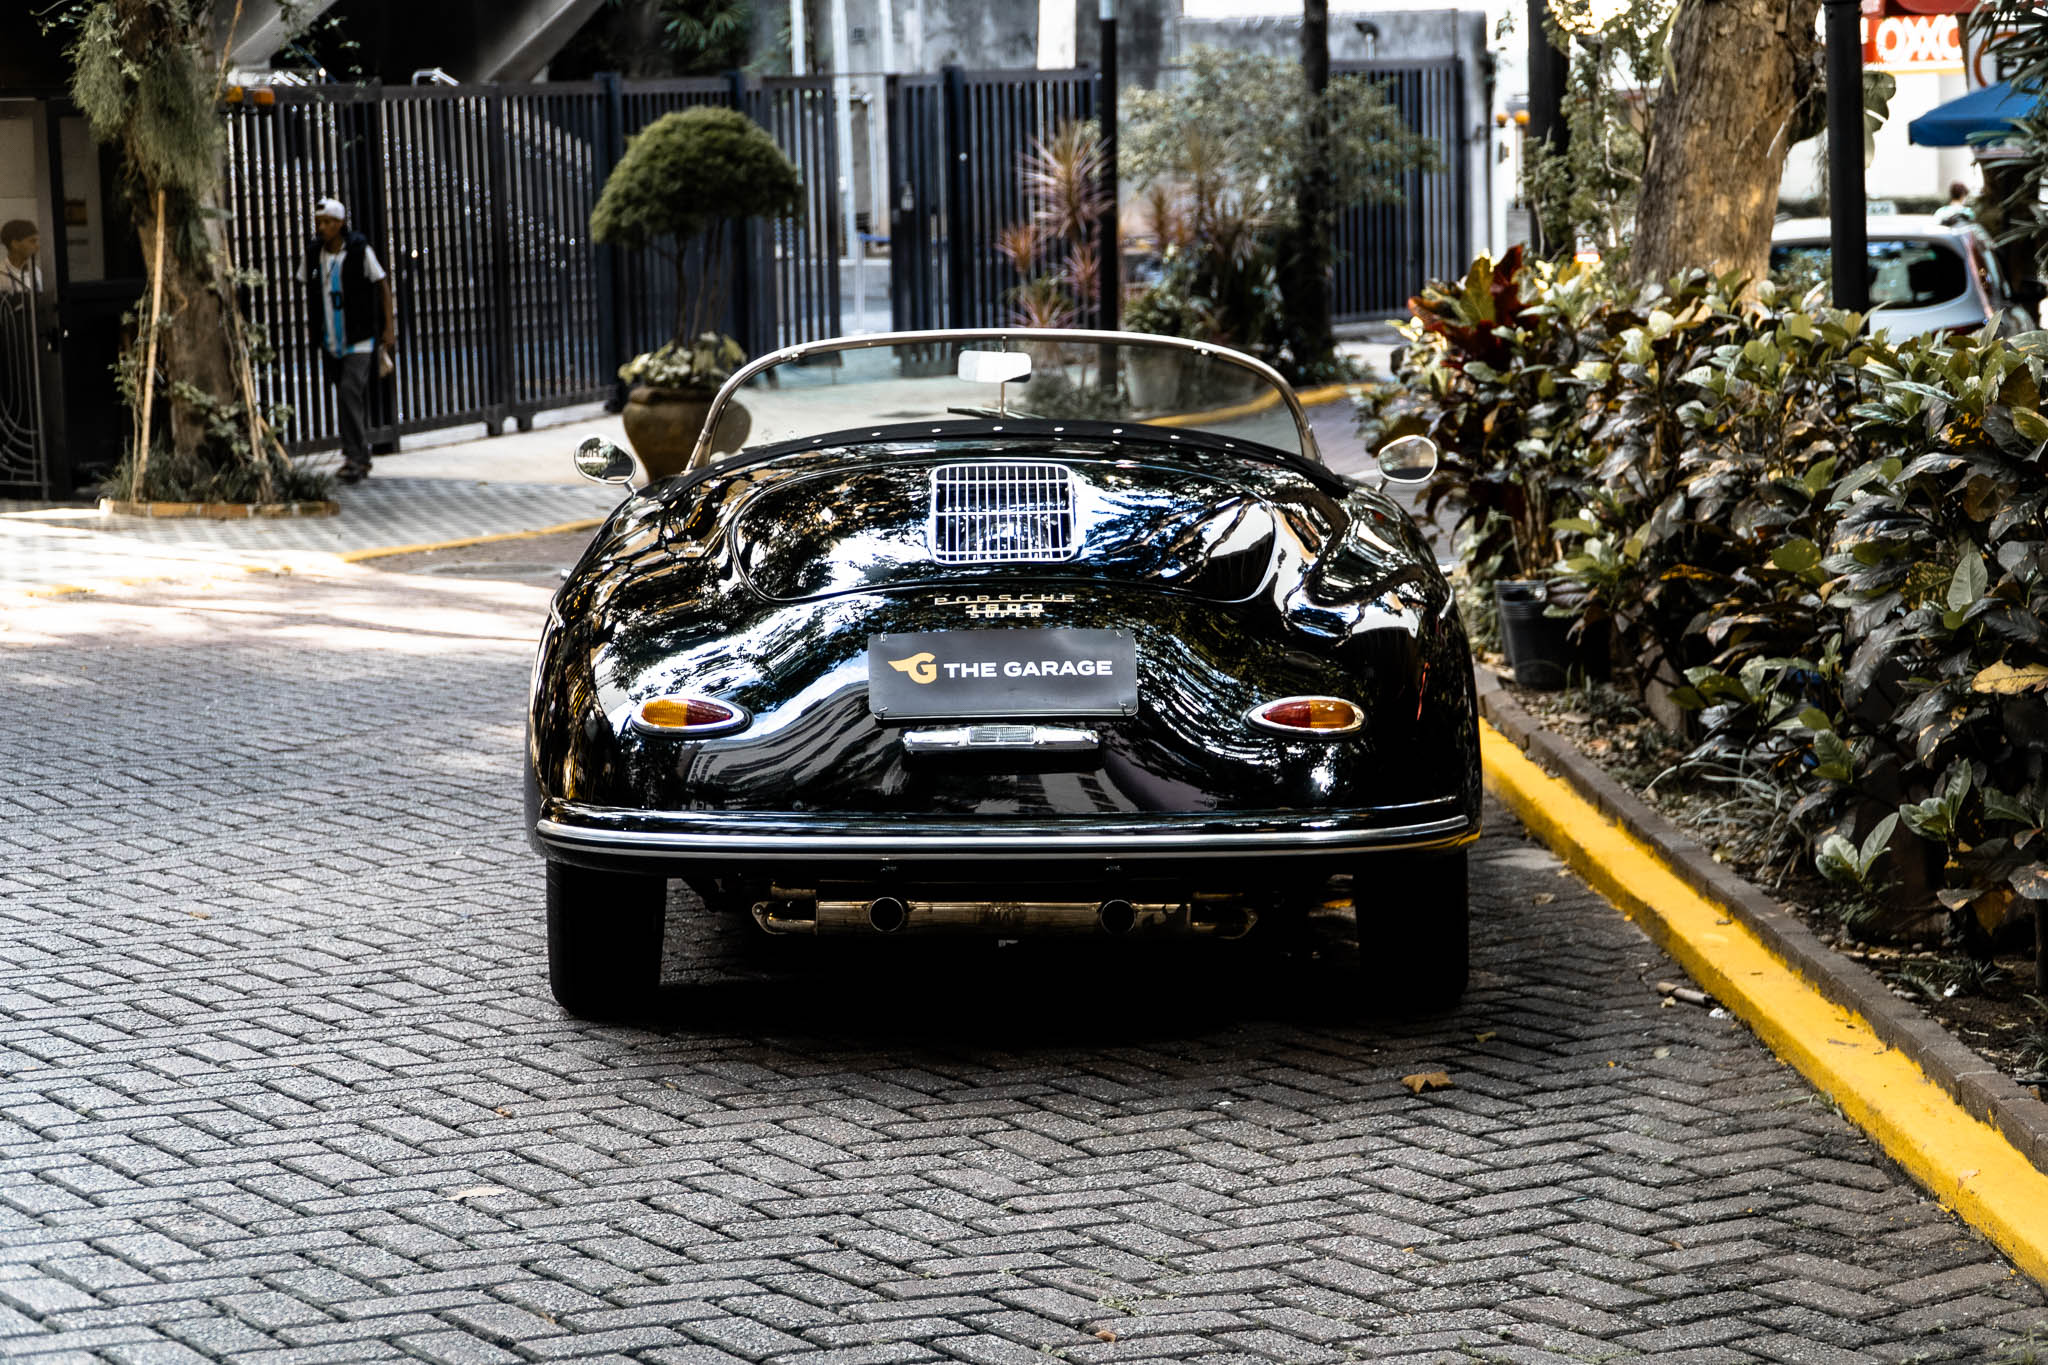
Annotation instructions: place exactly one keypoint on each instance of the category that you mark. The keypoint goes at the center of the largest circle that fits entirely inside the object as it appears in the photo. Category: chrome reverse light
(1002, 512)
(1309, 717)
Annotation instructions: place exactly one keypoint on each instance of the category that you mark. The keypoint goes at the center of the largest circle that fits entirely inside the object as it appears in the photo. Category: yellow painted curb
(1328, 393)
(1962, 1160)
(383, 551)
(1311, 398)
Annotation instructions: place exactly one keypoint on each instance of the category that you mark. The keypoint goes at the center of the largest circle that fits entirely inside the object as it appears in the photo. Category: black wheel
(1413, 931)
(604, 940)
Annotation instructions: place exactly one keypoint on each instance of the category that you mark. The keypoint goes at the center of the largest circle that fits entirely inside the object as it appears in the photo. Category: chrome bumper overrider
(608, 832)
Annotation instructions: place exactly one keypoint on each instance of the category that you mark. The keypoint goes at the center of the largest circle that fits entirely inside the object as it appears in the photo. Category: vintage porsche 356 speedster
(1005, 633)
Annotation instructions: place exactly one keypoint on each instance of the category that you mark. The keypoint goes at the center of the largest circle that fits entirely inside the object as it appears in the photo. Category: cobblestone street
(281, 1080)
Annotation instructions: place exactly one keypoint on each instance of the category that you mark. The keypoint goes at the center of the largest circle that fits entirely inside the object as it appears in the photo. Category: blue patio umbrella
(1964, 122)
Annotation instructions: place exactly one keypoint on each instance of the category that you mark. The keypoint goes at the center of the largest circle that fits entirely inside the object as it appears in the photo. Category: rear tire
(1414, 931)
(604, 940)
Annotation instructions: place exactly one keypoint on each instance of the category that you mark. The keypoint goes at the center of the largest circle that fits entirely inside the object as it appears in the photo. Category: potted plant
(1166, 309)
(686, 181)
(1489, 374)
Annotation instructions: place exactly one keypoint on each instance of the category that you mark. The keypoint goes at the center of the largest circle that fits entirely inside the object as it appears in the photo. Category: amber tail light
(1320, 716)
(693, 716)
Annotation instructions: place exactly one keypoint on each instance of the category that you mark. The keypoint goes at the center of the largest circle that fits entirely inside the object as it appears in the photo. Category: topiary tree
(685, 179)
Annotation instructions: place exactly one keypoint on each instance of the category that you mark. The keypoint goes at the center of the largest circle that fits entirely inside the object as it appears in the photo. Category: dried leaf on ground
(478, 1191)
(1427, 1080)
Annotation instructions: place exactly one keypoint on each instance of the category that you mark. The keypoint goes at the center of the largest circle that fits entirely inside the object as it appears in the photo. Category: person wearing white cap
(344, 280)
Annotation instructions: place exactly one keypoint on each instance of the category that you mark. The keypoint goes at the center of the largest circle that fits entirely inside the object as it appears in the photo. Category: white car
(1925, 276)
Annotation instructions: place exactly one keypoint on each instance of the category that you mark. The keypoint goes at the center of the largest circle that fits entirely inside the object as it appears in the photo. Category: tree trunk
(194, 347)
(1305, 270)
(1719, 135)
(204, 380)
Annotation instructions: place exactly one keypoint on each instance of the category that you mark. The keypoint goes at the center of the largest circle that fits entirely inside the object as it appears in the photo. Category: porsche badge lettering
(918, 666)
(996, 606)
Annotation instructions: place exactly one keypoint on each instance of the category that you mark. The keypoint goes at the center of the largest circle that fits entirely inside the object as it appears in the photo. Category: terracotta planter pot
(1153, 379)
(663, 425)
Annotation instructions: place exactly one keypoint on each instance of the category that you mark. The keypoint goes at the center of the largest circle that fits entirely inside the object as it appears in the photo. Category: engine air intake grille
(997, 513)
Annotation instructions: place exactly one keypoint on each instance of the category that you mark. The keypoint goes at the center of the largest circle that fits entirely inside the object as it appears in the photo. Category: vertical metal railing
(1386, 252)
(477, 199)
(22, 446)
(957, 143)
(957, 146)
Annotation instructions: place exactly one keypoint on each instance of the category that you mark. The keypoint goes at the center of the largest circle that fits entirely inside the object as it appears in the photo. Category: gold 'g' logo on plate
(919, 666)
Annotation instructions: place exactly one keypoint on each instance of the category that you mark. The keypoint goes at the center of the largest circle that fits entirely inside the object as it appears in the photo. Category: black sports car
(1005, 633)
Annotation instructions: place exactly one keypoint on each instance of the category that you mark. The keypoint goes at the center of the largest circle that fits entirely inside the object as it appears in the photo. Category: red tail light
(695, 716)
(1319, 716)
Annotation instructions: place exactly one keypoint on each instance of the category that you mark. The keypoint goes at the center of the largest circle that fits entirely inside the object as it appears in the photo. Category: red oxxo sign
(1912, 42)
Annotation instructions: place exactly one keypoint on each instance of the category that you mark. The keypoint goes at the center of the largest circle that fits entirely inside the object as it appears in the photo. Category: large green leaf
(1969, 582)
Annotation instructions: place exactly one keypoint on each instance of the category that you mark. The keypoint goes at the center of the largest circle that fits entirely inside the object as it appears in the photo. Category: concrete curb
(220, 511)
(1983, 1092)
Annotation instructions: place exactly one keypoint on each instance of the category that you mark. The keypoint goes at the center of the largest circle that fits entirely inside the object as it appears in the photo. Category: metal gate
(477, 200)
(22, 440)
(957, 142)
(1385, 253)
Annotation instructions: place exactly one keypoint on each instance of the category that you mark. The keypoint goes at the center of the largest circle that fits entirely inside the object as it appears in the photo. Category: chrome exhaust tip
(1117, 917)
(887, 914)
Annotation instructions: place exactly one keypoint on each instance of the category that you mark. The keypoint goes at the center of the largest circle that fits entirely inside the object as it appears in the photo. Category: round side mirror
(1408, 459)
(602, 462)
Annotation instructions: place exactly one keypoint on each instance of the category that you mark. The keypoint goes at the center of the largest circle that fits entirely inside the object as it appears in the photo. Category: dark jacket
(362, 307)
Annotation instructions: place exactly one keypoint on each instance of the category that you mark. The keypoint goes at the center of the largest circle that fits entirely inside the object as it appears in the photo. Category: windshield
(1904, 272)
(975, 382)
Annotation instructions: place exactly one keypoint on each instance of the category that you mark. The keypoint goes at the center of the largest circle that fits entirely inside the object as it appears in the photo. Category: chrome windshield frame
(701, 455)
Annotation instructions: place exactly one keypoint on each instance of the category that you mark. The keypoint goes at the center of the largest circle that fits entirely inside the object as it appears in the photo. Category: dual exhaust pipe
(794, 913)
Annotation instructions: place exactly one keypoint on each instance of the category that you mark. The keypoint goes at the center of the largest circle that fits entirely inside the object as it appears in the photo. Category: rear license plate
(985, 674)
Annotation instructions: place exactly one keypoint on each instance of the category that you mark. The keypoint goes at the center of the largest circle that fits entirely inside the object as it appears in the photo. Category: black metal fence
(956, 147)
(478, 201)
(1385, 252)
(957, 143)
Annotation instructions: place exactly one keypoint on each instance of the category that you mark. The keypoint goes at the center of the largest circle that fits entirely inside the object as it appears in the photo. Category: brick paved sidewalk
(40, 549)
(280, 1081)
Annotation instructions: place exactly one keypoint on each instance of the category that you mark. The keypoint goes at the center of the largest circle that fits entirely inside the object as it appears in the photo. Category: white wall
(1898, 169)
(18, 180)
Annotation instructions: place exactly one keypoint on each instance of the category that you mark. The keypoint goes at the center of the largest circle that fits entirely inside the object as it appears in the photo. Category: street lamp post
(1549, 73)
(1848, 238)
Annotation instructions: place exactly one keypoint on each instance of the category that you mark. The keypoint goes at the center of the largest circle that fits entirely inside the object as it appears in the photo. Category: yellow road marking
(1309, 398)
(1962, 1160)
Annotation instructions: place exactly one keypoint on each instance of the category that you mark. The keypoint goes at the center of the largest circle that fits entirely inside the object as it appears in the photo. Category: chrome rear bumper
(611, 835)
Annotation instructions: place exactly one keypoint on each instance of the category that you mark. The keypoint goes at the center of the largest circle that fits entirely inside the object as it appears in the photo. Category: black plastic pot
(1539, 646)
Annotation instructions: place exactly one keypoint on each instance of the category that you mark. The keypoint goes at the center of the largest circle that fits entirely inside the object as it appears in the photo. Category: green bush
(1488, 374)
(1835, 548)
